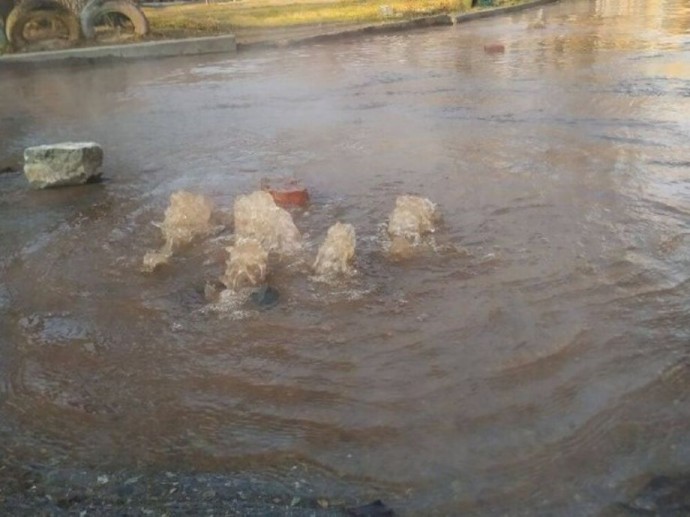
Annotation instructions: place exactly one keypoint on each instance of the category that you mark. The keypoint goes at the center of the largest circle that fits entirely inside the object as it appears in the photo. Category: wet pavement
(534, 361)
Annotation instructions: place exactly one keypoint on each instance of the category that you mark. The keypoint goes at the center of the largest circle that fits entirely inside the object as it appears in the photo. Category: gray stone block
(57, 165)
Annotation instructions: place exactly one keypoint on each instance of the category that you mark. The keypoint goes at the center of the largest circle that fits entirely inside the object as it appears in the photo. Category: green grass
(224, 17)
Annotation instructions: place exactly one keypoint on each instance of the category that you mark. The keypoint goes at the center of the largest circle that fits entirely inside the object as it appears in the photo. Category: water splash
(187, 217)
(337, 252)
(247, 264)
(258, 217)
(412, 217)
(155, 259)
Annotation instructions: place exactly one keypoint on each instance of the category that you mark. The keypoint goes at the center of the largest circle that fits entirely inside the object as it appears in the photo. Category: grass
(216, 18)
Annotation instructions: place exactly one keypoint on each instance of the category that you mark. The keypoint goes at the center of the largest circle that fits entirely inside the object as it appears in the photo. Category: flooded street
(535, 362)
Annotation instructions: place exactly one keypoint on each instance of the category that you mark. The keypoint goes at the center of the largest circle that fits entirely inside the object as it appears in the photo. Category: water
(258, 217)
(412, 219)
(187, 217)
(337, 252)
(542, 370)
(247, 264)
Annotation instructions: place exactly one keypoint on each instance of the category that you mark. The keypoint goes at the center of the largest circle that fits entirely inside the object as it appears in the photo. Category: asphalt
(246, 39)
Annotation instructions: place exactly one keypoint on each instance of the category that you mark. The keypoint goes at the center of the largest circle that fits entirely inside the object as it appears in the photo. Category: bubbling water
(263, 228)
(187, 217)
(155, 259)
(412, 218)
(258, 217)
(337, 252)
(247, 264)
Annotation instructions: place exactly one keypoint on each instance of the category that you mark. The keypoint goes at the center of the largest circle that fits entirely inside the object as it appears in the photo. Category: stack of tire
(77, 23)
(3, 39)
(5, 8)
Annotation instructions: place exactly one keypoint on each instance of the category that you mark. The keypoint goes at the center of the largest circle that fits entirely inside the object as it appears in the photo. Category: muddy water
(534, 362)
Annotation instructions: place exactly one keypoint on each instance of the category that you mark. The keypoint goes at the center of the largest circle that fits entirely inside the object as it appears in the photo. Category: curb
(415, 23)
(149, 49)
(228, 44)
(3, 38)
(427, 21)
(487, 13)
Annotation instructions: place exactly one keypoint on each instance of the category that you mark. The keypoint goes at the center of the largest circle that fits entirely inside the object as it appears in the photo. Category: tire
(95, 10)
(5, 7)
(3, 38)
(31, 10)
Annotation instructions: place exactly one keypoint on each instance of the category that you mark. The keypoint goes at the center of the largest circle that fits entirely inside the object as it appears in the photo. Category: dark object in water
(286, 192)
(212, 289)
(662, 495)
(375, 509)
(494, 48)
(265, 297)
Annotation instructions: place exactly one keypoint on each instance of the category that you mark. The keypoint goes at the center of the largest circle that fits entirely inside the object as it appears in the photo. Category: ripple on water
(530, 358)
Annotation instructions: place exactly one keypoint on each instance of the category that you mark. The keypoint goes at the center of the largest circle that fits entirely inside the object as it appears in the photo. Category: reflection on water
(534, 362)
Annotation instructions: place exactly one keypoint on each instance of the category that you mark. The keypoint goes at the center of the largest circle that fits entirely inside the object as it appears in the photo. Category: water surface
(536, 363)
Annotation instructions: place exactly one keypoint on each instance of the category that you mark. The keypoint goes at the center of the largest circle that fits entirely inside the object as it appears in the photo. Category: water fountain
(412, 218)
(258, 217)
(187, 217)
(261, 228)
(337, 252)
(247, 264)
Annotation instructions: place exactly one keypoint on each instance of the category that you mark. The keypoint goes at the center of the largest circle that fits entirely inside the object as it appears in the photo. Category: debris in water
(187, 217)
(265, 297)
(247, 264)
(57, 165)
(494, 48)
(375, 509)
(336, 253)
(257, 216)
(286, 192)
